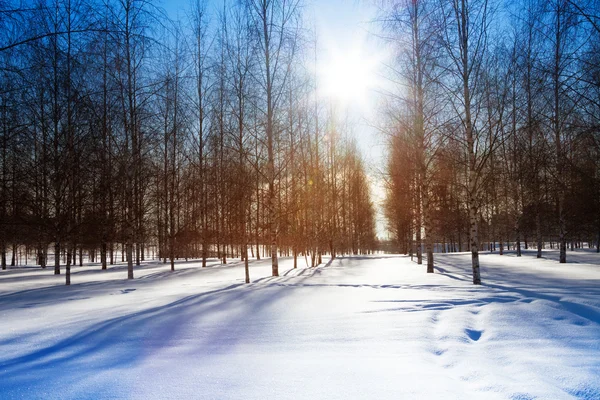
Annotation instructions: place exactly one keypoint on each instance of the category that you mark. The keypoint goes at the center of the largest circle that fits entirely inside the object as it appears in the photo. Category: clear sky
(350, 58)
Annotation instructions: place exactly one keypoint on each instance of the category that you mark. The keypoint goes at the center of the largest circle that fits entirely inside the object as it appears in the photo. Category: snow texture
(373, 327)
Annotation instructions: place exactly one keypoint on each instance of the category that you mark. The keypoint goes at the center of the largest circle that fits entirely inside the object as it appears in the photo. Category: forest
(493, 125)
(300, 199)
(127, 135)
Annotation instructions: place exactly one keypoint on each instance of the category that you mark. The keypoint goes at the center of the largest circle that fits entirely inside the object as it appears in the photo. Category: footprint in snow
(473, 334)
(439, 352)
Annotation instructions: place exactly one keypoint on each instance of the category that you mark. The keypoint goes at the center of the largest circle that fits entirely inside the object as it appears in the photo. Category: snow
(358, 327)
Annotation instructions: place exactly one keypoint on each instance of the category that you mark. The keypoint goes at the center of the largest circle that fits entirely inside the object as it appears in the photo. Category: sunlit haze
(349, 62)
(349, 72)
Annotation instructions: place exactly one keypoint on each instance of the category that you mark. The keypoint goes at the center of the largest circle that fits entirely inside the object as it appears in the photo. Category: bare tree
(274, 23)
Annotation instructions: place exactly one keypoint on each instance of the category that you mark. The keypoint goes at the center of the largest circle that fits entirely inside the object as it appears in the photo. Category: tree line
(493, 126)
(125, 133)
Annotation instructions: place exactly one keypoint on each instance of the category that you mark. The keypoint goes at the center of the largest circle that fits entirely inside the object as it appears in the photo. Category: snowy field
(373, 327)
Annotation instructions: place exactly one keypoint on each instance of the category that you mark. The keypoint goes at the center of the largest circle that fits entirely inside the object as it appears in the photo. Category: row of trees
(123, 130)
(495, 125)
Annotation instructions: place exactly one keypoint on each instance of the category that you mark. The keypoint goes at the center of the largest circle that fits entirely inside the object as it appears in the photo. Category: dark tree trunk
(56, 258)
(103, 255)
(295, 258)
(68, 268)
(129, 259)
(518, 241)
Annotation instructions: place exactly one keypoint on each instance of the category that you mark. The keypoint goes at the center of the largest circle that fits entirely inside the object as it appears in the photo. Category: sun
(347, 77)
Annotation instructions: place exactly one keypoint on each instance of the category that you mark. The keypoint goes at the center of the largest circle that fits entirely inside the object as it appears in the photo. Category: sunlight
(347, 77)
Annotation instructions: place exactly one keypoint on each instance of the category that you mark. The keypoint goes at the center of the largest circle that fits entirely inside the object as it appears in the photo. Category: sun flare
(347, 77)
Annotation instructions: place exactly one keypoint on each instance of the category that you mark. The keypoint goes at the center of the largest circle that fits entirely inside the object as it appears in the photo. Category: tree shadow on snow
(222, 317)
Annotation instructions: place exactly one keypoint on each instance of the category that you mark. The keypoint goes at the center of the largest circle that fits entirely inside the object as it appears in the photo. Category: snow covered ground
(374, 327)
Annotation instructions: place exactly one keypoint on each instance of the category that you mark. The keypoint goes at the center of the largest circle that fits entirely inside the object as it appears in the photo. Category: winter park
(300, 199)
